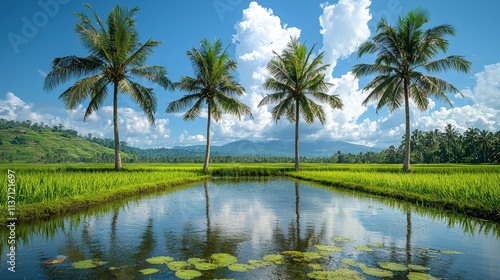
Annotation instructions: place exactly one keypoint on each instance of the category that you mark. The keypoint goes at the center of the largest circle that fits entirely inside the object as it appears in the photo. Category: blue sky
(36, 32)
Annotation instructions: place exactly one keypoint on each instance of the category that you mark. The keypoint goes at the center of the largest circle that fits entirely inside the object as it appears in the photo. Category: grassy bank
(469, 189)
(43, 191)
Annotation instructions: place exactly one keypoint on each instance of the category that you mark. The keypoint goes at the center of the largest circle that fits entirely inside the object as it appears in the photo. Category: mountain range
(279, 148)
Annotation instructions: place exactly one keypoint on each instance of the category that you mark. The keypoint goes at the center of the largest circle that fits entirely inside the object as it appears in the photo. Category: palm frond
(194, 111)
(185, 101)
(155, 74)
(455, 62)
(143, 96)
(70, 67)
(82, 90)
(96, 99)
(233, 106)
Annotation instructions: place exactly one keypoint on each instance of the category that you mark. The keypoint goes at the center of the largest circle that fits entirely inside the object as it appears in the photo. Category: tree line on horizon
(432, 146)
(116, 56)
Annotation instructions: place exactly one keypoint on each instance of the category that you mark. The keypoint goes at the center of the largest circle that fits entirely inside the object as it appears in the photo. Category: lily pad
(195, 260)
(342, 239)
(312, 255)
(258, 263)
(205, 266)
(177, 265)
(293, 253)
(364, 248)
(240, 267)
(159, 260)
(148, 271)
(276, 258)
(416, 267)
(224, 259)
(351, 262)
(335, 274)
(377, 272)
(87, 264)
(328, 248)
(393, 266)
(375, 245)
(187, 274)
(450, 252)
(315, 266)
(420, 276)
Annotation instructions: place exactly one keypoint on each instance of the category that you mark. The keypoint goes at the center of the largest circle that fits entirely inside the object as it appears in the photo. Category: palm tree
(213, 84)
(403, 51)
(451, 137)
(471, 141)
(115, 57)
(417, 145)
(297, 73)
(486, 141)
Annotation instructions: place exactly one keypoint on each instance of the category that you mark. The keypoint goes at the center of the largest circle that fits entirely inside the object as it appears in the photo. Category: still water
(251, 220)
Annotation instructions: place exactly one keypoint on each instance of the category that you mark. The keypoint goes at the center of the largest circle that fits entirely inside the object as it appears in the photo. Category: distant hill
(43, 144)
(278, 148)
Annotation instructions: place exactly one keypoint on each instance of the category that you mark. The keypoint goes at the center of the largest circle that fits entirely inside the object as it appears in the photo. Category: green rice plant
(465, 189)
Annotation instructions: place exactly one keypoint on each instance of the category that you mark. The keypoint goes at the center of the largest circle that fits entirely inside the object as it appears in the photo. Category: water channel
(273, 221)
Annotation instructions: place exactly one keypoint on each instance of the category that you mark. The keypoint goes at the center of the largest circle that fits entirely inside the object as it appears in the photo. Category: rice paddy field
(42, 191)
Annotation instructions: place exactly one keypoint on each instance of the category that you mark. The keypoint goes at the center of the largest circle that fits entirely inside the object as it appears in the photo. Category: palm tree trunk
(408, 237)
(207, 151)
(406, 163)
(297, 167)
(118, 158)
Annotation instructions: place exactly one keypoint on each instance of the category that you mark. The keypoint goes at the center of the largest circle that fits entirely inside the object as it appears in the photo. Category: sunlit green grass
(461, 187)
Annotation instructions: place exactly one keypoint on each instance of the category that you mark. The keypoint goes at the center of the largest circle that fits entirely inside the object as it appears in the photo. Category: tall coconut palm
(451, 137)
(403, 51)
(296, 73)
(115, 57)
(486, 141)
(471, 143)
(213, 84)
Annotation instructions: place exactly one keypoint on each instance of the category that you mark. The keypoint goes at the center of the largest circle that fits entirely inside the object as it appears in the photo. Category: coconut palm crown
(115, 57)
(295, 74)
(405, 55)
(213, 85)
